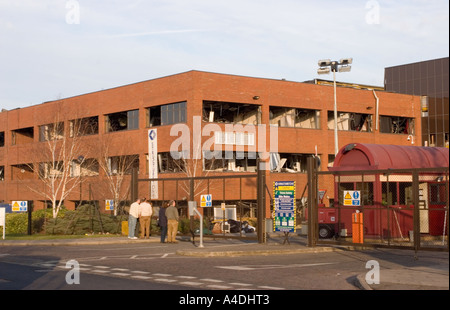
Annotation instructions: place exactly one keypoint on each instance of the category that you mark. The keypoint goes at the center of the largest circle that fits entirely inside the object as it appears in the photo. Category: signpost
(153, 162)
(284, 211)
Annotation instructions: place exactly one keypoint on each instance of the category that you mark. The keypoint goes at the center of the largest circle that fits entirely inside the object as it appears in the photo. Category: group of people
(167, 220)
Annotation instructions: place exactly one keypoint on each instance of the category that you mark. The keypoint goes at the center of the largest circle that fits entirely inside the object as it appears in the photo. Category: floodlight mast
(325, 66)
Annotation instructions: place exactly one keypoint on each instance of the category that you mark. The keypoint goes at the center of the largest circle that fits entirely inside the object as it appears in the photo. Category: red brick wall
(194, 87)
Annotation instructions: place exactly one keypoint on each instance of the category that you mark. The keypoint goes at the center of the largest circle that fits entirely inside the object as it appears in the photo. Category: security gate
(405, 208)
(246, 191)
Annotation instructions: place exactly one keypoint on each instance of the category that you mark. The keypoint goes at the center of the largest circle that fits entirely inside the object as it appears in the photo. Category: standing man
(132, 219)
(172, 222)
(145, 216)
(162, 222)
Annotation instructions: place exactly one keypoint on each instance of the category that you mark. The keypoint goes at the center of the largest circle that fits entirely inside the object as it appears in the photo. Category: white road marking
(211, 280)
(121, 274)
(140, 272)
(100, 271)
(261, 267)
(120, 269)
(191, 283)
(220, 287)
(141, 277)
(165, 280)
(241, 284)
(162, 275)
(270, 288)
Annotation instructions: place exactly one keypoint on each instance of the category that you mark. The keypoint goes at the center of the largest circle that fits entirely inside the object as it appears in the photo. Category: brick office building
(115, 124)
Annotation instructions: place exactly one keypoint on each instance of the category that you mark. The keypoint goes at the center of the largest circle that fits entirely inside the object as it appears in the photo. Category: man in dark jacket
(162, 222)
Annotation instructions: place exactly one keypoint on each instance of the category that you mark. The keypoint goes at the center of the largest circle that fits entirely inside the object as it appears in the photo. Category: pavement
(431, 274)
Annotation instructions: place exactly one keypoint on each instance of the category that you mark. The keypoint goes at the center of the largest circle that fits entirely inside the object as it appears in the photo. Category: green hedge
(86, 219)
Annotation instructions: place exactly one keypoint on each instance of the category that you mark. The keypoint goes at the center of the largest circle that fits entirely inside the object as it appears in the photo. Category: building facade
(92, 141)
(430, 80)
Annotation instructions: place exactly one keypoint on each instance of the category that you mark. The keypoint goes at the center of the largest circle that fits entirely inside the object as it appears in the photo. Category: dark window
(292, 117)
(231, 112)
(119, 121)
(51, 132)
(84, 126)
(23, 135)
(397, 125)
(167, 114)
(437, 194)
(351, 121)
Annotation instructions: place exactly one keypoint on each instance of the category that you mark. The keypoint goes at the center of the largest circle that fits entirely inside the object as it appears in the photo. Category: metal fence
(235, 204)
(394, 208)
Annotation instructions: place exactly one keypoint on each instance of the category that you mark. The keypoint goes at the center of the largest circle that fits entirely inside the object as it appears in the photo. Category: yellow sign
(109, 205)
(206, 201)
(19, 206)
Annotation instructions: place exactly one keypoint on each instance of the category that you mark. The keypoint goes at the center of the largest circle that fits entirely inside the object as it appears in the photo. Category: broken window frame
(51, 132)
(86, 168)
(167, 114)
(364, 124)
(51, 170)
(229, 161)
(294, 117)
(397, 125)
(86, 126)
(26, 171)
(234, 138)
(167, 164)
(122, 165)
(27, 134)
(122, 121)
(289, 162)
(231, 112)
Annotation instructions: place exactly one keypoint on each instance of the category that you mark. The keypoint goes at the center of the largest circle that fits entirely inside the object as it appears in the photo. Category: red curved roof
(359, 156)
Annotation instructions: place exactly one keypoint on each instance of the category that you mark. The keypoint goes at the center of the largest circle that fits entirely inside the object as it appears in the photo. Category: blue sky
(46, 54)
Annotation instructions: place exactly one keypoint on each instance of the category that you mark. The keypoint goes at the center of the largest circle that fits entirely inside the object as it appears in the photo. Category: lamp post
(342, 65)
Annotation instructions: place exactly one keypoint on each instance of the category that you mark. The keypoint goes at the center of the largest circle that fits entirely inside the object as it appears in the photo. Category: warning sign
(352, 198)
(109, 205)
(206, 201)
(19, 206)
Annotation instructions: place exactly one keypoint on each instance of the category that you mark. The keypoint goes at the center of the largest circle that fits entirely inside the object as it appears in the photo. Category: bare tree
(56, 156)
(116, 168)
(193, 167)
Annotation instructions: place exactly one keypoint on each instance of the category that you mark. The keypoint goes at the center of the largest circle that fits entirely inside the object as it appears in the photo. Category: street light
(325, 66)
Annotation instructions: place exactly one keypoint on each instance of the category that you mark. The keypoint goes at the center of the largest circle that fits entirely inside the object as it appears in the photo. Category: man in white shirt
(132, 219)
(145, 215)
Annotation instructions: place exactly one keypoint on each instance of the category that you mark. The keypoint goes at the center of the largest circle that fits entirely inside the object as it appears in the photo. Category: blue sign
(284, 209)
(152, 135)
